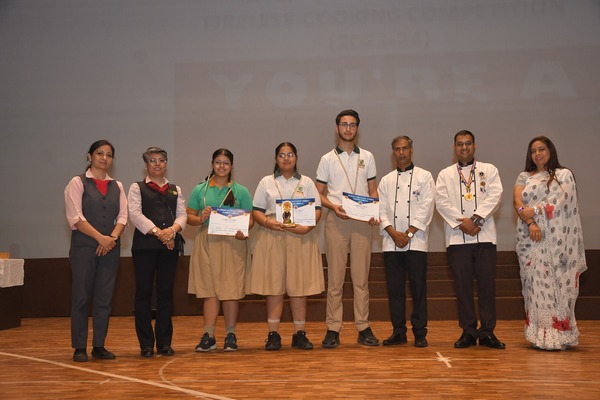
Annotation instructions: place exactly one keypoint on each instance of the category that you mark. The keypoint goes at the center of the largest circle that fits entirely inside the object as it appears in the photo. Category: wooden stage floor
(35, 363)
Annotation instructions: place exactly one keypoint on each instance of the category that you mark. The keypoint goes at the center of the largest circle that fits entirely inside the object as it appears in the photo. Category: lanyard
(279, 190)
(353, 189)
(230, 184)
(468, 196)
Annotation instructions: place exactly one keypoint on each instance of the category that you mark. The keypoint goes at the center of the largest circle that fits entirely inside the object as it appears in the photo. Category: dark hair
(154, 150)
(349, 112)
(230, 199)
(96, 145)
(294, 150)
(403, 137)
(552, 163)
(463, 133)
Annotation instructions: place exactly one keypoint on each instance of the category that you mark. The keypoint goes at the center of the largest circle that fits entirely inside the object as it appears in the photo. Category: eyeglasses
(220, 163)
(284, 155)
(345, 125)
(461, 144)
(157, 161)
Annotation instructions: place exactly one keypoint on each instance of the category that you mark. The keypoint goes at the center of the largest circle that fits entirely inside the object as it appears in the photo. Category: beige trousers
(343, 237)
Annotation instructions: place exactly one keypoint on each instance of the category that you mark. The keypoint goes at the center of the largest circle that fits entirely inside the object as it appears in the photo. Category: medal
(468, 196)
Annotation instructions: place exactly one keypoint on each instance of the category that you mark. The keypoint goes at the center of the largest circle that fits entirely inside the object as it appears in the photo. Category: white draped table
(12, 276)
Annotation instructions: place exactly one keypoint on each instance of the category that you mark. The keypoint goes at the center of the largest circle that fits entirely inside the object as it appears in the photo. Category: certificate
(362, 208)
(295, 211)
(227, 221)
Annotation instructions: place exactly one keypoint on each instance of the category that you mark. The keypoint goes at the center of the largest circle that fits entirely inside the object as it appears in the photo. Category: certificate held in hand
(227, 221)
(362, 208)
(291, 212)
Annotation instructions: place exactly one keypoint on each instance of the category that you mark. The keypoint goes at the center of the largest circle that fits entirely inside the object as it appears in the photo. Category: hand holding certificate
(295, 211)
(362, 208)
(228, 221)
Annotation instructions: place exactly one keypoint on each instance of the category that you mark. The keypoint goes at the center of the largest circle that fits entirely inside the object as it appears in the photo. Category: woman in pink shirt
(96, 208)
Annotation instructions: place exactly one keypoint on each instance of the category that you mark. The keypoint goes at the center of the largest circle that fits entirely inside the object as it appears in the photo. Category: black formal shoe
(331, 340)
(367, 338)
(102, 354)
(165, 350)
(80, 355)
(491, 341)
(465, 341)
(421, 342)
(147, 352)
(395, 339)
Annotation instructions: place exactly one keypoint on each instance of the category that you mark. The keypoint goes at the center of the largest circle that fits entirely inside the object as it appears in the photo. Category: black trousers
(154, 266)
(467, 263)
(397, 265)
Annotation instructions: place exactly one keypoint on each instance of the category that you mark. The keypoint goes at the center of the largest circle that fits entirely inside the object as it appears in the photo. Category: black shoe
(147, 352)
(230, 342)
(165, 350)
(102, 354)
(331, 340)
(491, 341)
(465, 341)
(207, 343)
(395, 339)
(80, 355)
(273, 341)
(421, 342)
(300, 341)
(367, 338)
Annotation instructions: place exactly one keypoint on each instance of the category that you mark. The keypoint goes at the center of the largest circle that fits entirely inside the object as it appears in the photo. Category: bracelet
(174, 231)
(532, 222)
(520, 209)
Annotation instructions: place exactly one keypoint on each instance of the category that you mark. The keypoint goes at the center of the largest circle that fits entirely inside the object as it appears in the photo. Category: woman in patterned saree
(549, 246)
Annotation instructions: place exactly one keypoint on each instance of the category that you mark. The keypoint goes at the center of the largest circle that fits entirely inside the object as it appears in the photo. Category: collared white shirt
(406, 198)
(275, 187)
(140, 221)
(337, 169)
(451, 204)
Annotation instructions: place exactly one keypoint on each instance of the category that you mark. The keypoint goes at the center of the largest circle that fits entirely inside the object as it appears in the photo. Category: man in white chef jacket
(406, 198)
(468, 193)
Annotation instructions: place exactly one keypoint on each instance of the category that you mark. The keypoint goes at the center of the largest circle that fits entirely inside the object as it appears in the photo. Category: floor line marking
(121, 377)
(445, 360)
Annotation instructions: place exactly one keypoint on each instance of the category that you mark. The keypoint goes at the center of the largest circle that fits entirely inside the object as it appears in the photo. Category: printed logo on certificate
(227, 221)
(291, 212)
(362, 208)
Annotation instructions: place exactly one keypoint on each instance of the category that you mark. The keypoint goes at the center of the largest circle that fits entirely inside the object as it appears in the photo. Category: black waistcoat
(158, 208)
(101, 211)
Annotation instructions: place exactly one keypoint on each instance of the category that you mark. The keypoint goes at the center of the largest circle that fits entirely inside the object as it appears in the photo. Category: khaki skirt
(218, 266)
(284, 262)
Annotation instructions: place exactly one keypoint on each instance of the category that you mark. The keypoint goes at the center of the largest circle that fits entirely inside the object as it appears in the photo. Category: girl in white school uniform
(287, 259)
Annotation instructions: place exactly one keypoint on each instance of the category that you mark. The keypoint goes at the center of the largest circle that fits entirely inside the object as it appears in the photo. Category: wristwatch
(410, 234)
(477, 220)
(154, 230)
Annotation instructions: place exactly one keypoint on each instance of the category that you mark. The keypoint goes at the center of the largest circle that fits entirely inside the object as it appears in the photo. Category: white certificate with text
(362, 208)
(227, 221)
